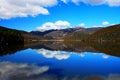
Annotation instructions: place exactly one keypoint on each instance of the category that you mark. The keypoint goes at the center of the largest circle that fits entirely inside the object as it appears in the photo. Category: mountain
(111, 33)
(77, 47)
(10, 36)
(59, 34)
(108, 47)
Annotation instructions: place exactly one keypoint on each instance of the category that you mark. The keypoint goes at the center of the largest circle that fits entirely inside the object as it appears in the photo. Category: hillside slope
(10, 36)
(111, 33)
(59, 34)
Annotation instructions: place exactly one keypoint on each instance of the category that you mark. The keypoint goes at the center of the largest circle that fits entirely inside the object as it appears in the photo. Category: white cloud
(105, 23)
(82, 25)
(114, 2)
(10, 71)
(76, 2)
(13, 71)
(23, 8)
(65, 1)
(106, 56)
(95, 2)
(53, 54)
(82, 54)
(57, 25)
(96, 26)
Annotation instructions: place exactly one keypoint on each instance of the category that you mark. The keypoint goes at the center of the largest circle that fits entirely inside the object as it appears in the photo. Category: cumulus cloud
(23, 8)
(95, 26)
(13, 71)
(106, 56)
(114, 2)
(105, 23)
(82, 25)
(57, 25)
(53, 54)
(65, 1)
(76, 2)
(82, 54)
(100, 2)
(95, 2)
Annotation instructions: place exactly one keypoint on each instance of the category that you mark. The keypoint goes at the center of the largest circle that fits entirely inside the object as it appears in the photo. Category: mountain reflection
(60, 61)
(110, 48)
(10, 48)
(55, 48)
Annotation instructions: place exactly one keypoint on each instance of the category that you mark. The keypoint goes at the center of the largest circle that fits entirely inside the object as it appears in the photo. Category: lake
(60, 61)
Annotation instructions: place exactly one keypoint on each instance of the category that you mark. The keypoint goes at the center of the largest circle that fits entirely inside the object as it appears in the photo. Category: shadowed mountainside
(109, 48)
(59, 34)
(111, 33)
(9, 36)
(70, 46)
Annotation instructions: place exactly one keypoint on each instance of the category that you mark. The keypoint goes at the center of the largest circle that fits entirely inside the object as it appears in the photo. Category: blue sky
(56, 14)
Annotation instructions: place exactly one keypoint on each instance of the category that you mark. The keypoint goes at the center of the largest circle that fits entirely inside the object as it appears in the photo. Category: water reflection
(10, 49)
(62, 47)
(54, 54)
(62, 55)
(60, 61)
(110, 48)
(14, 71)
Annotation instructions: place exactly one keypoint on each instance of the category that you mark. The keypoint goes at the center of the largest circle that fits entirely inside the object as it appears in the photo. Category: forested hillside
(75, 36)
(10, 36)
(111, 33)
(59, 34)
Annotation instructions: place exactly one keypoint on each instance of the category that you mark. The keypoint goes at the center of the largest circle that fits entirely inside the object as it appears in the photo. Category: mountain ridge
(59, 34)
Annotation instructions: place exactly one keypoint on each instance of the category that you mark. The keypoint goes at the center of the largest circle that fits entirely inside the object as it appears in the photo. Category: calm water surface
(52, 62)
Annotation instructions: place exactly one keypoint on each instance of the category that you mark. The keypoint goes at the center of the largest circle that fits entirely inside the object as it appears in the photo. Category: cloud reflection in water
(62, 55)
(13, 71)
(59, 55)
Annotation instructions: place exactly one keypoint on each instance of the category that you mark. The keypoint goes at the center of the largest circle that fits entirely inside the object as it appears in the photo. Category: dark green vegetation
(110, 48)
(70, 46)
(10, 48)
(59, 34)
(14, 47)
(106, 40)
(10, 36)
(75, 36)
(111, 33)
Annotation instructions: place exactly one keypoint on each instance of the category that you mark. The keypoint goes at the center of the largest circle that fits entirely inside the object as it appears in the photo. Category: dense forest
(75, 36)
(111, 33)
(10, 36)
(110, 48)
(12, 40)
